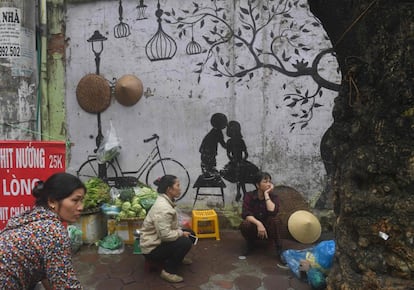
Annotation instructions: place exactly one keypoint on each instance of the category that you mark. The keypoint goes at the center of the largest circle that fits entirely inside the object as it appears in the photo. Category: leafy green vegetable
(147, 197)
(126, 194)
(97, 193)
(126, 206)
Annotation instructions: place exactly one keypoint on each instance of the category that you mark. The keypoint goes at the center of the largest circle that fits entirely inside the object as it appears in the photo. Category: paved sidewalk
(216, 265)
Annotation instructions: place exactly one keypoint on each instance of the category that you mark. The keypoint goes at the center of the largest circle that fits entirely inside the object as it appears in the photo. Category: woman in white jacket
(161, 238)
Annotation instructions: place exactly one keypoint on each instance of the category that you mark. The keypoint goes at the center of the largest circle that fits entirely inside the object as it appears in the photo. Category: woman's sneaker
(172, 278)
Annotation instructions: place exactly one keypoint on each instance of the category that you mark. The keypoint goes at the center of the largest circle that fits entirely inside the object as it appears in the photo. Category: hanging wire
(355, 22)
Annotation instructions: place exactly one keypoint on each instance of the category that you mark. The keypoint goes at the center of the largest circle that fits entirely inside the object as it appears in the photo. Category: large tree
(368, 151)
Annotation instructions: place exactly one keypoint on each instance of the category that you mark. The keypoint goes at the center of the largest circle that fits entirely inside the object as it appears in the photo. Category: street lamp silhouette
(96, 41)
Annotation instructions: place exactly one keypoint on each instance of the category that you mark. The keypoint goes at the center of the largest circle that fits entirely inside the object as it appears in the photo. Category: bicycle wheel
(89, 169)
(169, 166)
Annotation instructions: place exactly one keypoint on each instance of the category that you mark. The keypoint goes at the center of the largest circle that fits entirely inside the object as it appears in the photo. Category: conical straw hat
(128, 90)
(304, 227)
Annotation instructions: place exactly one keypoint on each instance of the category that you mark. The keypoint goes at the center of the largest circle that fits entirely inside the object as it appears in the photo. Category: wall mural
(241, 63)
(238, 169)
(121, 29)
(255, 18)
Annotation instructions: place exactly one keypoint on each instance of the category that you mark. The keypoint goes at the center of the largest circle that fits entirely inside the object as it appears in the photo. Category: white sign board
(10, 22)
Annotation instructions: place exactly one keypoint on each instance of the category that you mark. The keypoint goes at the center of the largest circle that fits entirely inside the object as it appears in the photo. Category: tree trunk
(368, 150)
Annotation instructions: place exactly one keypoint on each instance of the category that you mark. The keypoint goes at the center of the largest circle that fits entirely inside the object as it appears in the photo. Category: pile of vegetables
(135, 204)
(97, 193)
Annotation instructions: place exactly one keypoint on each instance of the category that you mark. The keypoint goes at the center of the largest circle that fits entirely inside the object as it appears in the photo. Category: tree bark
(368, 150)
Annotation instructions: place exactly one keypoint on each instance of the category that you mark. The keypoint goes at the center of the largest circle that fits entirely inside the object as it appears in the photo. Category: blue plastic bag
(320, 258)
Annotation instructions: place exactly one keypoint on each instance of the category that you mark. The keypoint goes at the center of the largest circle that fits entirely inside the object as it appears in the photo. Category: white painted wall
(179, 109)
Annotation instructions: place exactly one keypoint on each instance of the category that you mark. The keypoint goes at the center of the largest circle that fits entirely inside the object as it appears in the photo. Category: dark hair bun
(38, 189)
(157, 181)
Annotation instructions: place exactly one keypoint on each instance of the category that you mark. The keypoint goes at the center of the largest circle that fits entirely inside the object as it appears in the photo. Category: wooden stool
(204, 182)
(210, 217)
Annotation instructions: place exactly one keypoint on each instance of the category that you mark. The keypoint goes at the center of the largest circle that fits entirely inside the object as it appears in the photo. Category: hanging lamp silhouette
(121, 29)
(141, 7)
(161, 46)
(193, 47)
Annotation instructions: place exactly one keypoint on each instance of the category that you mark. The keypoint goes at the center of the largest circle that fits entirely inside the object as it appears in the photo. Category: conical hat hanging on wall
(93, 93)
(128, 90)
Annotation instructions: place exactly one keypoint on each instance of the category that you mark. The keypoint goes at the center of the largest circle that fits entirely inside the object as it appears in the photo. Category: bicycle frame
(154, 154)
(153, 166)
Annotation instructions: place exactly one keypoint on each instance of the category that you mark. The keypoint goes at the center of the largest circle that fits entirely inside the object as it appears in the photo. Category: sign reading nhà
(22, 164)
(10, 38)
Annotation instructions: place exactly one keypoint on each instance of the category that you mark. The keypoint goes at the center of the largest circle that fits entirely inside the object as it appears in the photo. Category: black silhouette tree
(257, 19)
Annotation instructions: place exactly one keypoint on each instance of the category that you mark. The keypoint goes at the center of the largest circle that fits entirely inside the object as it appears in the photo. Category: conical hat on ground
(304, 227)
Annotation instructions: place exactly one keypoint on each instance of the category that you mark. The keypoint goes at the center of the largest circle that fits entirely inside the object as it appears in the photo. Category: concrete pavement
(216, 265)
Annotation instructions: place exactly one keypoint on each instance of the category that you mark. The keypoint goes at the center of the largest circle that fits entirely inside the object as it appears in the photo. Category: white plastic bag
(110, 146)
(184, 220)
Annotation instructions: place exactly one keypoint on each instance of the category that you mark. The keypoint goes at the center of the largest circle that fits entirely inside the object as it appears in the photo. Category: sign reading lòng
(22, 164)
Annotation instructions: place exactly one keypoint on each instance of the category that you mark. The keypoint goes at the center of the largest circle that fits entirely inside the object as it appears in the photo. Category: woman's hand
(261, 231)
(186, 234)
(268, 191)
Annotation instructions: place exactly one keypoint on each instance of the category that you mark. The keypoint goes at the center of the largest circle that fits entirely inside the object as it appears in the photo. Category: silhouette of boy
(208, 147)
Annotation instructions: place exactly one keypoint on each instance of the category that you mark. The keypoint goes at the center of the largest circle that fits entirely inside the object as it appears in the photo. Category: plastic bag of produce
(318, 258)
(184, 220)
(147, 197)
(111, 244)
(75, 236)
(110, 146)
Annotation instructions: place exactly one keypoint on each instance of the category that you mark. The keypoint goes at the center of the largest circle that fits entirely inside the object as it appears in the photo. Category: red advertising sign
(22, 164)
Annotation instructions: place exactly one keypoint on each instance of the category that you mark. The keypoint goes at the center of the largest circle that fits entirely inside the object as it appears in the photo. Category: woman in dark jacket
(260, 208)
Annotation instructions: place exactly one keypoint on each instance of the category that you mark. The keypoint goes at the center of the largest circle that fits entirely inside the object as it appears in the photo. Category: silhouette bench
(214, 181)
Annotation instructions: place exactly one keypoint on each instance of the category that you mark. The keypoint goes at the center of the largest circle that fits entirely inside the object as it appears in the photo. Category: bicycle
(154, 165)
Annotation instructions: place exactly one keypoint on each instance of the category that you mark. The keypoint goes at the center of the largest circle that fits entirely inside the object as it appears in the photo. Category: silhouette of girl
(238, 169)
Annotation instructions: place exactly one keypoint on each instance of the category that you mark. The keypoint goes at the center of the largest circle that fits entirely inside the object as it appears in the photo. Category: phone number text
(9, 50)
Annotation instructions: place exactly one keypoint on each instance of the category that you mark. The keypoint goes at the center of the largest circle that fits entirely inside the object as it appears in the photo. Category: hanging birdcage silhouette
(193, 47)
(121, 29)
(141, 7)
(161, 46)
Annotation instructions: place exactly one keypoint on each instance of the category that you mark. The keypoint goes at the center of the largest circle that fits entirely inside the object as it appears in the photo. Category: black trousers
(172, 253)
(249, 231)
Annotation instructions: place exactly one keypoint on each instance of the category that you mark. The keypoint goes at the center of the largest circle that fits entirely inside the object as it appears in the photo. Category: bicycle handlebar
(154, 136)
